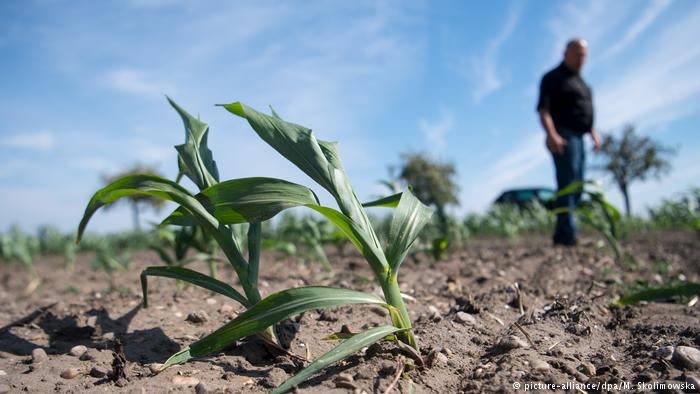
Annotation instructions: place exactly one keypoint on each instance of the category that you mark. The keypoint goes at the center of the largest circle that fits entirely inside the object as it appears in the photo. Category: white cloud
(658, 84)
(130, 80)
(486, 74)
(435, 132)
(42, 141)
(654, 9)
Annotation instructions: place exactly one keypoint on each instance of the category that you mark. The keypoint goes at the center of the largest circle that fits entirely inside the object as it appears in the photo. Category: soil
(495, 314)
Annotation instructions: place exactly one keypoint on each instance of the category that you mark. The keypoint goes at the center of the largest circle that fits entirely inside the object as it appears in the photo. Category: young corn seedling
(595, 211)
(235, 201)
(195, 161)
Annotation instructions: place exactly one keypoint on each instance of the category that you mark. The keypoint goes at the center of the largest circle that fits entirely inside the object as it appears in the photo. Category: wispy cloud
(486, 73)
(435, 131)
(42, 141)
(659, 83)
(654, 9)
(130, 80)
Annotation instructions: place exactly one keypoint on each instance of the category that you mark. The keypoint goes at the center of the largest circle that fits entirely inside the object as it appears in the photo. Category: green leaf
(409, 218)
(272, 309)
(388, 201)
(191, 276)
(247, 200)
(143, 185)
(340, 352)
(686, 289)
(194, 157)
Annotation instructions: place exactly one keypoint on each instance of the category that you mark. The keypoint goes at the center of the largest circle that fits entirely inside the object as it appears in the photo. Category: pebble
(3, 373)
(434, 313)
(97, 372)
(155, 368)
(184, 380)
(78, 351)
(540, 366)
(70, 373)
(197, 317)
(512, 342)
(436, 358)
(465, 318)
(211, 301)
(91, 321)
(274, 378)
(687, 357)
(39, 356)
(226, 308)
(200, 388)
(587, 369)
(665, 352)
(108, 336)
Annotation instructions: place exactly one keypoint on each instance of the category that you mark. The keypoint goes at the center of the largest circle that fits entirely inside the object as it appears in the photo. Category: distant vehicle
(525, 196)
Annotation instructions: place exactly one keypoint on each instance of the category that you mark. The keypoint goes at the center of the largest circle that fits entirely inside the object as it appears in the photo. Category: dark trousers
(569, 168)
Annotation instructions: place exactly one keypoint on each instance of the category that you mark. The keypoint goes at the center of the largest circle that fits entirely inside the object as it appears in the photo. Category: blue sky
(83, 87)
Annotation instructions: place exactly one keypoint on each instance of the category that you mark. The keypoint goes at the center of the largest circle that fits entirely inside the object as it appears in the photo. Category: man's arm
(555, 143)
(596, 140)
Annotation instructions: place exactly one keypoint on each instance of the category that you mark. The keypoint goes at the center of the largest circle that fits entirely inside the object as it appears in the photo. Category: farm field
(466, 313)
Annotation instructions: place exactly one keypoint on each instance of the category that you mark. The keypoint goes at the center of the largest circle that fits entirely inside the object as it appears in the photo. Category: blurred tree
(631, 158)
(432, 182)
(136, 201)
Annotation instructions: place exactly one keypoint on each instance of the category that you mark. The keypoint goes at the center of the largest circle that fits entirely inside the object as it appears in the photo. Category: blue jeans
(569, 168)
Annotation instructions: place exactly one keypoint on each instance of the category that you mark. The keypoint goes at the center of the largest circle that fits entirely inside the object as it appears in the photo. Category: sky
(83, 85)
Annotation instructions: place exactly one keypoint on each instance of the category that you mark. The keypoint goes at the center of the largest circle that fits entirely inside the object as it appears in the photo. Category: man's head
(575, 54)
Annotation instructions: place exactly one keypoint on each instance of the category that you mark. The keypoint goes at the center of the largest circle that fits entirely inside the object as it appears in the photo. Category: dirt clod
(39, 356)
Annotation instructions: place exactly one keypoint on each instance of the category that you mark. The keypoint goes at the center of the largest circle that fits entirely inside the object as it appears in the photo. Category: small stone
(3, 373)
(197, 317)
(70, 373)
(274, 378)
(211, 301)
(200, 388)
(587, 369)
(155, 368)
(540, 366)
(184, 380)
(665, 352)
(97, 372)
(512, 342)
(465, 318)
(78, 351)
(687, 357)
(436, 359)
(39, 356)
(91, 321)
(226, 308)
(108, 336)
(434, 313)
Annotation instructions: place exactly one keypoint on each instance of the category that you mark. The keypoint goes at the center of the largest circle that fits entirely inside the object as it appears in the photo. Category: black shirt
(568, 98)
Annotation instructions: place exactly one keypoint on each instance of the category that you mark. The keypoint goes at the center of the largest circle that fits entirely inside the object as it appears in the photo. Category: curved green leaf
(191, 276)
(247, 200)
(194, 157)
(686, 289)
(343, 350)
(409, 218)
(389, 201)
(144, 185)
(272, 309)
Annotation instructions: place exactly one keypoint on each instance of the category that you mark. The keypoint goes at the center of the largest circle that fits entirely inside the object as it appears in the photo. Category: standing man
(566, 113)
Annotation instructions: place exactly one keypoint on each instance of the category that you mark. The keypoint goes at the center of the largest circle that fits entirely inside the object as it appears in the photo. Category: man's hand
(596, 140)
(555, 143)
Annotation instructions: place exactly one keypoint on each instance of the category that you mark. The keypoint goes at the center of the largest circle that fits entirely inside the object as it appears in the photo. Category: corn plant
(254, 200)
(595, 211)
(16, 246)
(308, 231)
